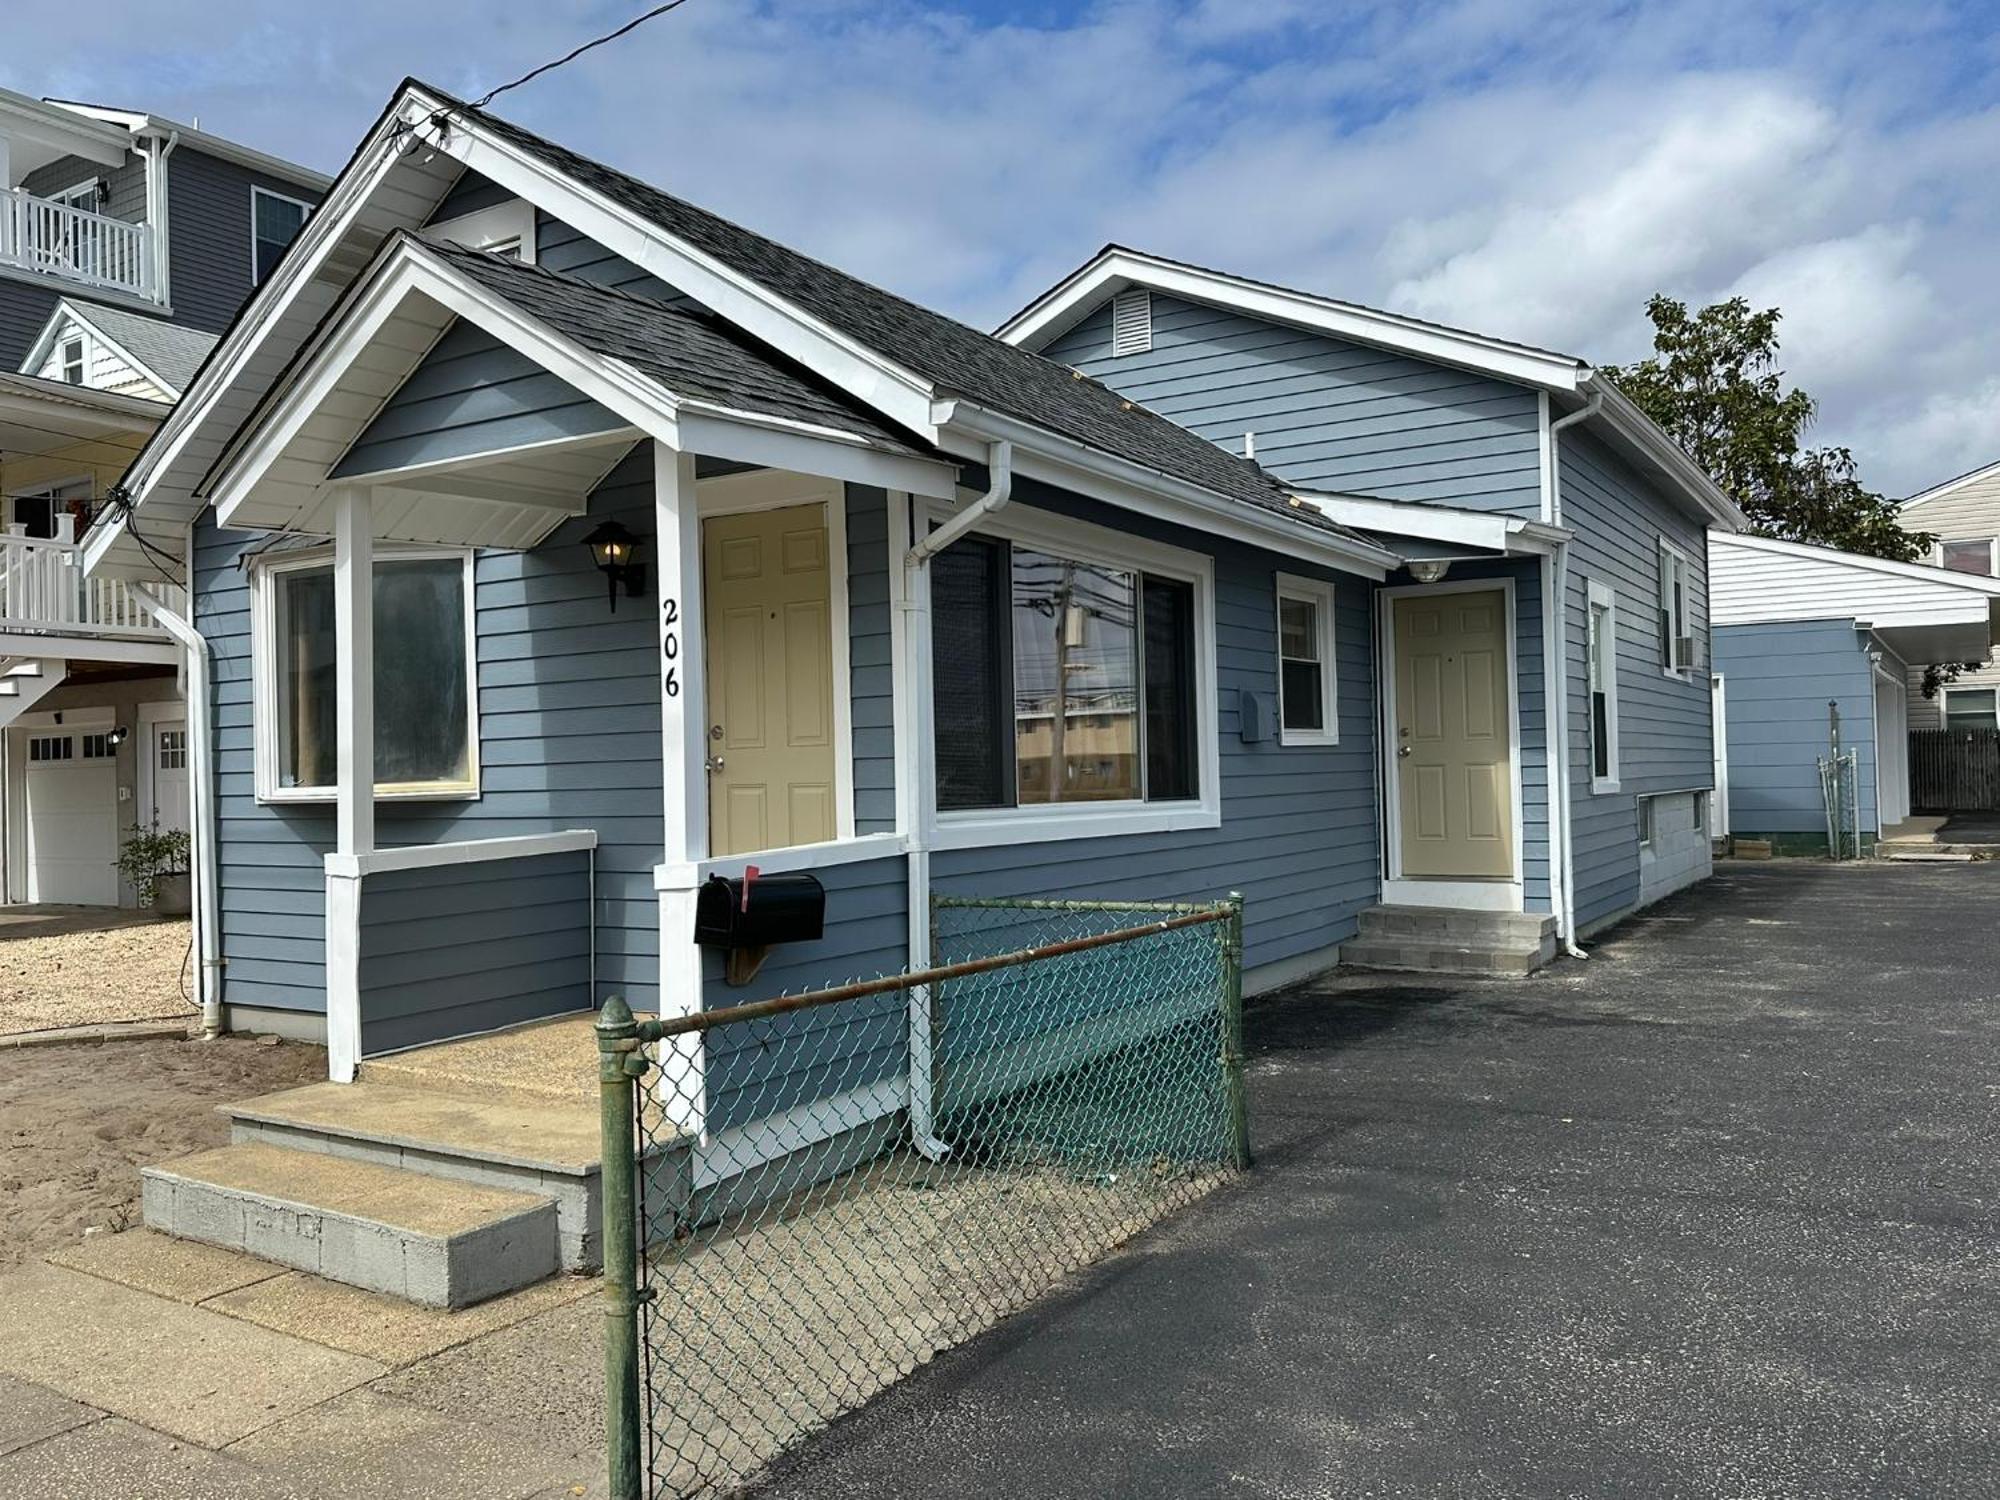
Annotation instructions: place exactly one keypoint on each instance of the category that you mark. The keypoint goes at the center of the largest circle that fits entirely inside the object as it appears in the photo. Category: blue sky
(1527, 168)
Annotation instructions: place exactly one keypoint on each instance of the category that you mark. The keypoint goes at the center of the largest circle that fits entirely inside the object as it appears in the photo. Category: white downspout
(207, 878)
(915, 779)
(1555, 648)
(157, 211)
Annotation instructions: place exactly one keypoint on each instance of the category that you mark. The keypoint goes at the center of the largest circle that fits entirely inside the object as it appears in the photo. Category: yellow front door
(770, 679)
(1454, 765)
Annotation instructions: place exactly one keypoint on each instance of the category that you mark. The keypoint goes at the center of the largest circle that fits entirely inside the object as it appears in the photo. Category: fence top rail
(1008, 903)
(757, 1010)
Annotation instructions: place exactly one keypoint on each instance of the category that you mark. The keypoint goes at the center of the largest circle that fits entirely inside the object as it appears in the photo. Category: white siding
(1971, 508)
(104, 369)
(1752, 582)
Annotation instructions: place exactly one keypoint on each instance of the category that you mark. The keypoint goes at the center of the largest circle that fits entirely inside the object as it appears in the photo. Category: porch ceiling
(1970, 636)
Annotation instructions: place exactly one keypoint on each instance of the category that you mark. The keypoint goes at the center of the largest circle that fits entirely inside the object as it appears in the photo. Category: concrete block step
(445, 1244)
(1934, 855)
(1438, 958)
(541, 1147)
(1442, 923)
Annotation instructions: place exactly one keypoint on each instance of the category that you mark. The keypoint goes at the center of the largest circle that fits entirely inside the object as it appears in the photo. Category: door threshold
(1466, 895)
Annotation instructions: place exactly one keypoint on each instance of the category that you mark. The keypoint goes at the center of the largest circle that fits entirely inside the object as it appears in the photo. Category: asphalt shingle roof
(167, 349)
(692, 353)
(957, 359)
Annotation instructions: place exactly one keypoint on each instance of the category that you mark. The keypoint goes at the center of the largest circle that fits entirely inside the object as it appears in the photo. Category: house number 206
(670, 646)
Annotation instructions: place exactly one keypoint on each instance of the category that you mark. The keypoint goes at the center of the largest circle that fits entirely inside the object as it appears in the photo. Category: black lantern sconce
(615, 551)
(118, 736)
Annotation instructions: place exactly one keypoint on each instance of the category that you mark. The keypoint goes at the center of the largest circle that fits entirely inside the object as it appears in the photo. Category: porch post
(354, 739)
(683, 765)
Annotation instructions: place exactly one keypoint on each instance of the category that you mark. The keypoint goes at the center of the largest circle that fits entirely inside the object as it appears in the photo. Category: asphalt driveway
(1716, 1213)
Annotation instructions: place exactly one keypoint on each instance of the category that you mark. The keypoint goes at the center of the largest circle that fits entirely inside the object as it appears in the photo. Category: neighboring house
(126, 244)
(1810, 637)
(1964, 515)
(919, 609)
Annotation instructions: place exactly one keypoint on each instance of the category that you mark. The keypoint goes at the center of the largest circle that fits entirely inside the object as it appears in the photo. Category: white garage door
(72, 822)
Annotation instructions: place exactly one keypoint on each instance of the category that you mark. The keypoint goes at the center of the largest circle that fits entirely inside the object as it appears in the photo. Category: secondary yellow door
(1454, 767)
(770, 679)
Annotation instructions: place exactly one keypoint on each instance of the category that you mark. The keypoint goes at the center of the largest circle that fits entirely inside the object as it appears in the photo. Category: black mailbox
(760, 911)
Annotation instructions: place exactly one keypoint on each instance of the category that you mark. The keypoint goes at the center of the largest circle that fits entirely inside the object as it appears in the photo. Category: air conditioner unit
(1683, 653)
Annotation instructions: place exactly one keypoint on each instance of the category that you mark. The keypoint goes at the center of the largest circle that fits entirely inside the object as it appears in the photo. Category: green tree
(1713, 383)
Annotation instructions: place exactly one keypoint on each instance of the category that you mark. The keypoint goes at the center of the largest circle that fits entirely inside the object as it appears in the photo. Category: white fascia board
(1071, 465)
(73, 132)
(138, 123)
(1066, 303)
(103, 411)
(900, 394)
(1490, 532)
(241, 344)
(1665, 455)
(1950, 486)
(411, 270)
(1972, 583)
(774, 443)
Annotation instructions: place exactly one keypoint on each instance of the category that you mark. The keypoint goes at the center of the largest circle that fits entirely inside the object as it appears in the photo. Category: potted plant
(155, 861)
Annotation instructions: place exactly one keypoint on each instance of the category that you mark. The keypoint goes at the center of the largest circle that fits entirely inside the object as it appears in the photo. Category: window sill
(1055, 821)
(386, 792)
(1603, 786)
(1320, 737)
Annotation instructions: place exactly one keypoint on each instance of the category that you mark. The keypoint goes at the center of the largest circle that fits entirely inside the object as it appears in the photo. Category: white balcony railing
(38, 234)
(43, 591)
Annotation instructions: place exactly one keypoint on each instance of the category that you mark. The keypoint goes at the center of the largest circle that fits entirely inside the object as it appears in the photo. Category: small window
(1308, 705)
(1676, 627)
(75, 365)
(1131, 322)
(1969, 556)
(85, 195)
(275, 222)
(98, 747)
(173, 749)
(425, 720)
(1648, 821)
(50, 747)
(1060, 679)
(1602, 651)
(1970, 708)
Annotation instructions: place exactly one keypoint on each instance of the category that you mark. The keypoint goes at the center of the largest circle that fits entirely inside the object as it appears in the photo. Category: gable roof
(1953, 485)
(1565, 377)
(957, 359)
(167, 354)
(932, 376)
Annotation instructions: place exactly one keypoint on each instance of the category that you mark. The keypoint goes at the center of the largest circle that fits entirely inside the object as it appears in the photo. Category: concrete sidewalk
(139, 1365)
(1716, 1213)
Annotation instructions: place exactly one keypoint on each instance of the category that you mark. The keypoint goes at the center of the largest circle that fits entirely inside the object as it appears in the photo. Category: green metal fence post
(619, 1063)
(1232, 1033)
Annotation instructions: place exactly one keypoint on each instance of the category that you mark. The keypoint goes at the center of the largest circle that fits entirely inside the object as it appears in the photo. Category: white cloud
(1518, 165)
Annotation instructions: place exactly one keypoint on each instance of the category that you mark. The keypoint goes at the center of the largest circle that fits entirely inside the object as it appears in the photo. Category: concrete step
(522, 1144)
(446, 1244)
(1416, 956)
(1930, 854)
(1453, 925)
(548, 1062)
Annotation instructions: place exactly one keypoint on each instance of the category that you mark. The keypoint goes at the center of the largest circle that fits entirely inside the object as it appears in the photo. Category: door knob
(713, 763)
(1402, 752)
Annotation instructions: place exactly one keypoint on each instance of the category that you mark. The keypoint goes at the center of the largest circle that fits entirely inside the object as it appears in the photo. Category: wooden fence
(1955, 770)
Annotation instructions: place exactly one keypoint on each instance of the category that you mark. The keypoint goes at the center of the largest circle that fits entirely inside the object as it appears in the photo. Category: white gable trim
(66, 312)
(1485, 530)
(1116, 268)
(1972, 583)
(1951, 486)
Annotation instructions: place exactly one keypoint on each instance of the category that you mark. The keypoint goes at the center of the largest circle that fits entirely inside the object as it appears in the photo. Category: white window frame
(255, 193)
(69, 195)
(80, 341)
(509, 225)
(1319, 594)
(1602, 596)
(264, 571)
(975, 828)
(1684, 626)
(1648, 816)
(1991, 544)
(1944, 708)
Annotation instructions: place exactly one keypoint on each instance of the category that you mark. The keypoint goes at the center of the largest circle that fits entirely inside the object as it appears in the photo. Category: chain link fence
(833, 1187)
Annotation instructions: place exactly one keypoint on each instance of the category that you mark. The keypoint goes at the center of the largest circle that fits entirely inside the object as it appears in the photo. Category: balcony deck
(48, 606)
(75, 245)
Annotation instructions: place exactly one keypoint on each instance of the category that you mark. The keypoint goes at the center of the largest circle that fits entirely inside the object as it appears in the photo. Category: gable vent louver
(1131, 322)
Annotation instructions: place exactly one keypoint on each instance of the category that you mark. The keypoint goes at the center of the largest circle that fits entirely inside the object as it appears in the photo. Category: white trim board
(1473, 893)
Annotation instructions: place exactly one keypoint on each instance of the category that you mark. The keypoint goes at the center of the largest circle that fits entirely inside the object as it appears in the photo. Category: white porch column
(354, 739)
(683, 767)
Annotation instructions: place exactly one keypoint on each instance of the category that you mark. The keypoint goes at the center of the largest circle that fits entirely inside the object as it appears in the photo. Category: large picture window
(425, 726)
(1063, 679)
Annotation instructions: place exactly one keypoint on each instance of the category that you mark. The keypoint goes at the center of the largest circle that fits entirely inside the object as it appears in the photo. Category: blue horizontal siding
(1778, 681)
(1327, 414)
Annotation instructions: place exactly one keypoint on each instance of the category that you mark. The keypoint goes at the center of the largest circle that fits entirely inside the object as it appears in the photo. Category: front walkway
(1716, 1213)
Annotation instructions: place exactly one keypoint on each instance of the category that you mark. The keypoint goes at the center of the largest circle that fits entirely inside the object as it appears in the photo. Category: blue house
(1181, 584)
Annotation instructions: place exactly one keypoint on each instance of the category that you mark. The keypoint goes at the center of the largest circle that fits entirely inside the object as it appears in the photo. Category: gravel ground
(77, 1122)
(88, 978)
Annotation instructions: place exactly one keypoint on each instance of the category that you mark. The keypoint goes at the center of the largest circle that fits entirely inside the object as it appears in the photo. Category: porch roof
(40, 416)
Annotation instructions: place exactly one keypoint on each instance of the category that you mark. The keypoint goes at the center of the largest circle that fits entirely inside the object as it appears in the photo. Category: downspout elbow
(999, 489)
